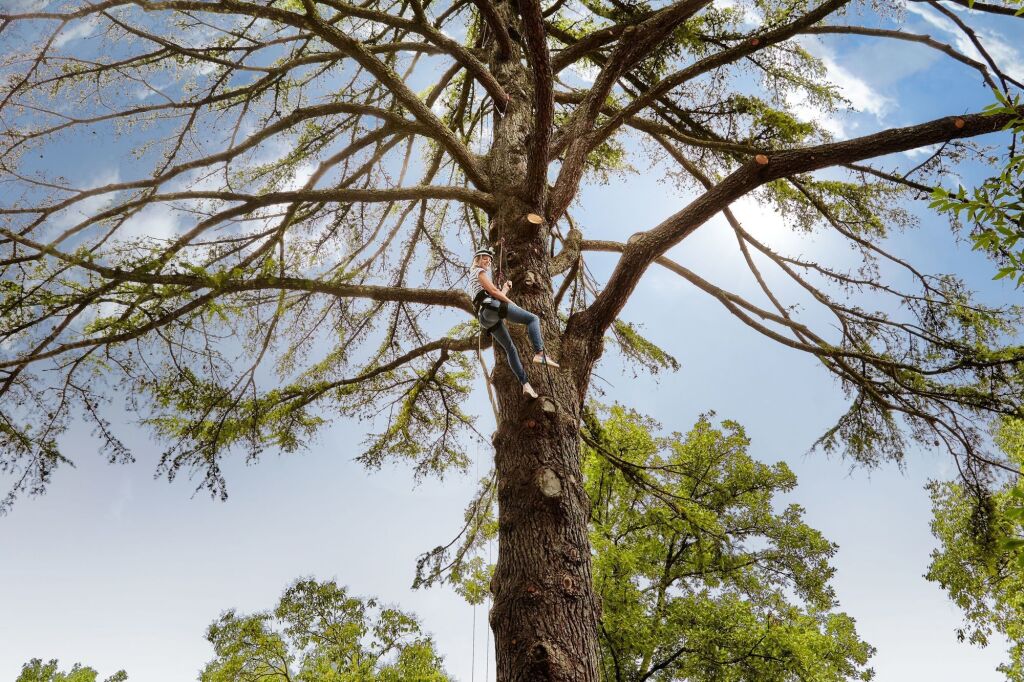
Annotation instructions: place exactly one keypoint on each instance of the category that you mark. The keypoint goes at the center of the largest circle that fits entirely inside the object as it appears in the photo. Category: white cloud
(1005, 55)
(302, 175)
(752, 17)
(28, 5)
(863, 98)
(587, 73)
(88, 207)
(922, 151)
(81, 29)
(156, 221)
(861, 95)
(805, 111)
(764, 223)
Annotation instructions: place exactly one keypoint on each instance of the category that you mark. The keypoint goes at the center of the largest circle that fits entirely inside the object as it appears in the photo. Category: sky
(117, 569)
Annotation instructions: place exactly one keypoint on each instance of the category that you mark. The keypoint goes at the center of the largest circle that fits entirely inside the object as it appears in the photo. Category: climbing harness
(483, 300)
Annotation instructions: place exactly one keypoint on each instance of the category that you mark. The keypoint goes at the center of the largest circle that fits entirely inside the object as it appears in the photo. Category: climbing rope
(501, 259)
(472, 669)
(472, 665)
(487, 376)
(487, 640)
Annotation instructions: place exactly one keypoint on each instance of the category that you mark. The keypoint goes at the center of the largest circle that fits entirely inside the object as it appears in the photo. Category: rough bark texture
(545, 613)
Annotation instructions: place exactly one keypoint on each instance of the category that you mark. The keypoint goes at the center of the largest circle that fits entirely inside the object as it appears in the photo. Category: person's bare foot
(541, 358)
(529, 392)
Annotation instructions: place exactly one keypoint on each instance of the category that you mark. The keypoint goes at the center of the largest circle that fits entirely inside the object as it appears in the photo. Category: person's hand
(506, 286)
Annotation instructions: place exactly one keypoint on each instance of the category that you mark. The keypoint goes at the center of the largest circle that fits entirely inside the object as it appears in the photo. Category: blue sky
(118, 570)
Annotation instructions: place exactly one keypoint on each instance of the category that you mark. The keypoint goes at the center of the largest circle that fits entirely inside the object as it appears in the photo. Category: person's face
(485, 261)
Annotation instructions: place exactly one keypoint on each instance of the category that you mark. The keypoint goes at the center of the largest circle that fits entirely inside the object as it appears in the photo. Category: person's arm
(493, 291)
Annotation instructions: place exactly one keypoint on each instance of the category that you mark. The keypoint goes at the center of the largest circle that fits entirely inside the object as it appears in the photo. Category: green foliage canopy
(319, 633)
(702, 573)
(38, 671)
(980, 558)
(995, 208)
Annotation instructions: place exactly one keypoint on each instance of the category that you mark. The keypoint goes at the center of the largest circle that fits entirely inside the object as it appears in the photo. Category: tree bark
(545, 614)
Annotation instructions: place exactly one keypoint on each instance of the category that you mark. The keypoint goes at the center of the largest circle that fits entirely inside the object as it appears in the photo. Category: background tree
(318, 633)
(980, 558)
(263, 260)
(37, 671)
(702, 574)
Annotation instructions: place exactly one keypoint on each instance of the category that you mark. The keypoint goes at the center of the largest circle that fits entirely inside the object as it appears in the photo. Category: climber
(493, 306)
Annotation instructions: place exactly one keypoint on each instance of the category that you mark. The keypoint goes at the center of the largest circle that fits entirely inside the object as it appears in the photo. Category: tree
(37, 671)
(262, 262)
(318, 633)
(698, 575)
(980, 558)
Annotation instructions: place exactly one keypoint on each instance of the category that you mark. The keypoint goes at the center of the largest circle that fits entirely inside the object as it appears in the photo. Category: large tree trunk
(545, 613)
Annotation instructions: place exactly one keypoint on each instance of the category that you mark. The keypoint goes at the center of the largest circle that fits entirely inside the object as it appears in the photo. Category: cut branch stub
(549, 483)
(761, 159)
(548, 662)
(534, 219)
(568, 584)
(959, 123)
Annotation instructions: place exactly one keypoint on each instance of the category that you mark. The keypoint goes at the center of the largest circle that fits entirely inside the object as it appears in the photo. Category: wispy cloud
(27, 5)
(80, 29)
(1007, 57)
(861, 95)
(90, 206)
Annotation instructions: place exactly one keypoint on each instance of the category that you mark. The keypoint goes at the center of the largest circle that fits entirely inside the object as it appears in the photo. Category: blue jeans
(499, 332)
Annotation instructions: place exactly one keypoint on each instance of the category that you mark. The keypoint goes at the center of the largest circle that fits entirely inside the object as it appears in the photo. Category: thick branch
(982, 7)
(543, 99)
(635, 44)
(645, 247)
(494, 22)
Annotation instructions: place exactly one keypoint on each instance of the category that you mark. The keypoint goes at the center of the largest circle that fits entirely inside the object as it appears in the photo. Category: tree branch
(543, 99)
(577, 139)
(983, 7)
(494, 22)
(645, 247)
